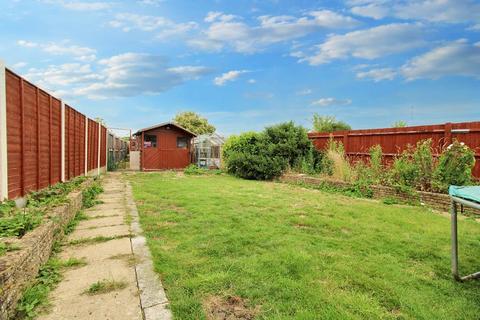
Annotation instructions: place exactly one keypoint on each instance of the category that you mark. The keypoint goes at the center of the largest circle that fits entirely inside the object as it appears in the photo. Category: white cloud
(304, 92)
(81, 5)
(325, 102)
(252, 81)
(79, 53)
(19, 65)
(165, 27)
(456, 58)
(131, 74)
(378, 74)
(27, 44)
(369, 43)
(57, 77)
(446, 11)
(228, 77)
(231, 31)
(475, 27)
(124, 75)
(86, 6)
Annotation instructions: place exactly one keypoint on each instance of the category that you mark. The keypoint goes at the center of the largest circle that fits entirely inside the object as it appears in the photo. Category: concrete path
(116, 255)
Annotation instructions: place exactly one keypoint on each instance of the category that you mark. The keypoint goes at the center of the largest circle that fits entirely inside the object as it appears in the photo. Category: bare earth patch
(229, 308)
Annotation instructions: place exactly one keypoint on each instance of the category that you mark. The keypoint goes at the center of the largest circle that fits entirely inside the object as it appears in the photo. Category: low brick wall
(437, 201)
(18, 268)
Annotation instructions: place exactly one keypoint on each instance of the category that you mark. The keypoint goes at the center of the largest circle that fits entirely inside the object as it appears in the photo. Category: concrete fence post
(106, 149)
(3, 134)
(62, 145)
(99, 146)
(86, 145)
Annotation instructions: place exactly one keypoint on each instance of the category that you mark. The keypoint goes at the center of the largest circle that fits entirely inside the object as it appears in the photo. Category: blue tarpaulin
(467, 193)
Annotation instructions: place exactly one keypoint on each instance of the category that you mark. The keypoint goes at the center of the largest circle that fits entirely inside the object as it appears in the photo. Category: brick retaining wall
(437, 201)
(19, 268)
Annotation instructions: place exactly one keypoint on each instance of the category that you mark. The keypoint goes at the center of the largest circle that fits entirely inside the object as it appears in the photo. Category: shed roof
(164, 124)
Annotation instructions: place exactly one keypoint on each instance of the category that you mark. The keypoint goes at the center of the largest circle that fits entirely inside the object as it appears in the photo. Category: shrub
(260, 166)
(266, 155)
(248, 142)
(377, 171)
(289, 142)
(454, 166)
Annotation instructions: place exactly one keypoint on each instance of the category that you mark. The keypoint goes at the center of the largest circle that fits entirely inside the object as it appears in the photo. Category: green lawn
(295, 253)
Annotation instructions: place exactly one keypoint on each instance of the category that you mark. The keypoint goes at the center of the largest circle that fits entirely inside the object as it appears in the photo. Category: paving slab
(101, 222)
(123, 260)
(114, 231)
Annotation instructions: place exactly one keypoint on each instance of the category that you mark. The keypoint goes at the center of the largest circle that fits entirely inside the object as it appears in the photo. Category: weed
(73, 263)
(90, 194)
(105, 286)
(74, 222)
(98, 239)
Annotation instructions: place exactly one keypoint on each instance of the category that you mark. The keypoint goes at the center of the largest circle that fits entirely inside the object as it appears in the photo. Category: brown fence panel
(34, 138)
(14, 134)
(56, 142)
(394, 140)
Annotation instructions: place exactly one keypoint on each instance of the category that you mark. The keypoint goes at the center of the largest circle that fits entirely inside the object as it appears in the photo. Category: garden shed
(164, 146)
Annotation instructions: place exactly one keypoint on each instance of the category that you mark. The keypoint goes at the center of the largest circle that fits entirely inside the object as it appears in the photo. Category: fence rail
(42, 140)
(394, 140)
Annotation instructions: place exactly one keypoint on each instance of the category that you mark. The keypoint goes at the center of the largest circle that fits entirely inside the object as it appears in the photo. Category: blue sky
(247, 64)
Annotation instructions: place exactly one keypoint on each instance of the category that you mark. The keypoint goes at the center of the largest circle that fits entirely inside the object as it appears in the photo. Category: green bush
(260, 166)
(266, 155)
(289, 142)
(454, 166)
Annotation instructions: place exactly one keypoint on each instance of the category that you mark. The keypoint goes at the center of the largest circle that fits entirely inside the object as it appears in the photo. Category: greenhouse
(207, 150)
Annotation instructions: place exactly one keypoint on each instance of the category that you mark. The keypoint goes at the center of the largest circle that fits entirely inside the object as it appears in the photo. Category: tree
(399, 124)
(194, 122)
(328, 124)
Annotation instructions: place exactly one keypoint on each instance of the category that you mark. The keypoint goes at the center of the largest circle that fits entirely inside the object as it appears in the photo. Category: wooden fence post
(448, 133)
(3, 134)
(99, 146)
(86, 146)
(62, 146)
(345, 142)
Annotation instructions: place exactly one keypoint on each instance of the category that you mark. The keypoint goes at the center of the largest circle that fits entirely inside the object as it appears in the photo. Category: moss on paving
(296, 253)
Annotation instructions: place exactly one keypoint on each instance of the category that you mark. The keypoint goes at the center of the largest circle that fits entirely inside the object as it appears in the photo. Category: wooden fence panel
(34, 138)
(395, 140)
(14, 134)
(103, 149)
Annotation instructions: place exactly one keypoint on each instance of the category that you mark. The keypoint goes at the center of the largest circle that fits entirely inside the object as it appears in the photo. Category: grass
(105, 286)
(296, 253)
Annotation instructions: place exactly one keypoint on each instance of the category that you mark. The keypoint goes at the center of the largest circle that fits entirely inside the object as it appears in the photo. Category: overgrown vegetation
(16, 222)
(298, 253)
(89, 195)
(416, 168)
(266, 155)
(8, 247)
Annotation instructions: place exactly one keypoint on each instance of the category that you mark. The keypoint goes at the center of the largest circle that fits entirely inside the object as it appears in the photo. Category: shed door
(165, 154)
